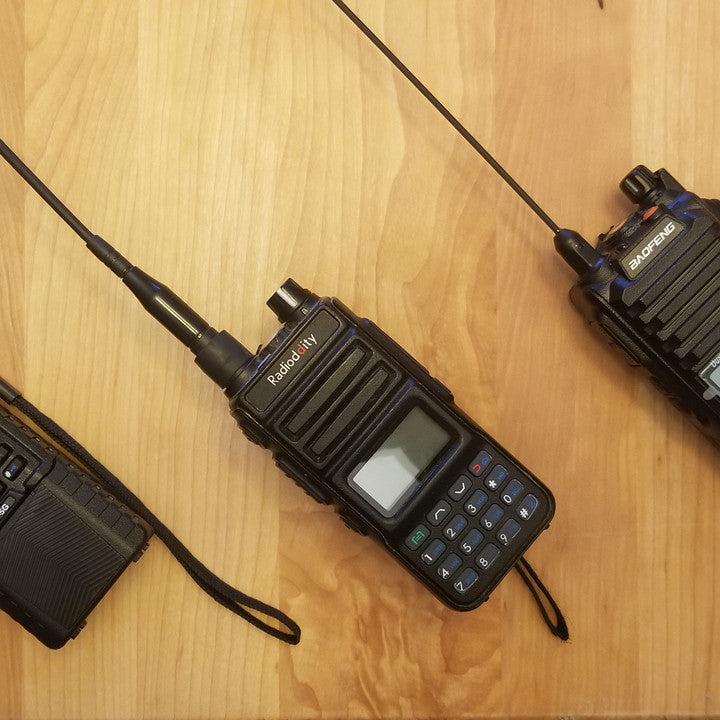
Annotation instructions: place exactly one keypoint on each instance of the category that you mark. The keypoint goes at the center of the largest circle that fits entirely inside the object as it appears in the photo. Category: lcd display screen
(389, 474)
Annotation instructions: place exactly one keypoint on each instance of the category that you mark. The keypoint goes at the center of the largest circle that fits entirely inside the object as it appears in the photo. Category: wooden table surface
(227, 145)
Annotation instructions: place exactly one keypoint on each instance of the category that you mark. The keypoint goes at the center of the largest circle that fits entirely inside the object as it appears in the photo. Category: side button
(354, 522)
(290, 469)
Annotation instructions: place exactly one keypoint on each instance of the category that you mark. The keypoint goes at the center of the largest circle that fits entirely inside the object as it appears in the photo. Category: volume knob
(290, 302)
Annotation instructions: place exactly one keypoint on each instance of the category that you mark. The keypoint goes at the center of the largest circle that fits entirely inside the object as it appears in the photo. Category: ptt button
(449, 566)
(490, 553)
(14, 468)
(528, 506)
(417, 537)
(475, 503)
(297, 474)
(512, 491)
(353, 522)
(438, 513)
(480, 463)
(468, 578)
(496, 478)
(471, 541)
(508, 531)
(492, 517)
(460, 488)
(455, 527)
(433, 551)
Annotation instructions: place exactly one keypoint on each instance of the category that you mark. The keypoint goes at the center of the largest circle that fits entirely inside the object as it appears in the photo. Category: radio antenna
(217, 353)
(574, 249)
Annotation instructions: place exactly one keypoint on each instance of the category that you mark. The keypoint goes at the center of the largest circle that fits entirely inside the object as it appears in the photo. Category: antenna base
(576, 251)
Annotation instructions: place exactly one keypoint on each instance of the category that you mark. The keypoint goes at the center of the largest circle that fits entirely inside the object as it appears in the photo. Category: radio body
(64, 540)
(654, 291)
(355, 421)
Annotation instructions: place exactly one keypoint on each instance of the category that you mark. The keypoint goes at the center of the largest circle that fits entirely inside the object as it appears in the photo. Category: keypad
(464, 536)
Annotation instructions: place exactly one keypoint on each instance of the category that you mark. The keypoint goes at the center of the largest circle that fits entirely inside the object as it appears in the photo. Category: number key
(465, 581)
(471, 541)
(487, 557)
(433, 552)
(455, 527)
(508, 531)
(449, 565)
(492, 517)
(512, 491)
(476, 501)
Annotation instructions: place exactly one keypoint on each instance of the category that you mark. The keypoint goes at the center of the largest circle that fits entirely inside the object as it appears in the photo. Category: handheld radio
(357, 422)
(64, 540)
(652, 284)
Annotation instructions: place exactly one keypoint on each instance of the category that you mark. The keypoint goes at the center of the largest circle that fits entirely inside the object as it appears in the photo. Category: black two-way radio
(652, 284)
(357, 422)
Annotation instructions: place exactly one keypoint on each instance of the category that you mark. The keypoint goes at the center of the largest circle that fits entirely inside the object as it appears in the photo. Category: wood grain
(225, 146)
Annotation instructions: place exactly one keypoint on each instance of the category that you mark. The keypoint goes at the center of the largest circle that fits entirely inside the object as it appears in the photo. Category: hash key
(527, 507)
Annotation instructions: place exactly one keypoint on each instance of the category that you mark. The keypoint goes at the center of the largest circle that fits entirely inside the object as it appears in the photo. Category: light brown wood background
(226, 145)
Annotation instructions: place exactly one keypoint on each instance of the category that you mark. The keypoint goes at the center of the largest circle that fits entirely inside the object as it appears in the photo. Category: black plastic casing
(334, 408)
(63, 542)
(654, 292)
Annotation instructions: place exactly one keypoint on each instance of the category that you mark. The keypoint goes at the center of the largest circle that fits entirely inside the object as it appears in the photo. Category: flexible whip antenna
(574, 249)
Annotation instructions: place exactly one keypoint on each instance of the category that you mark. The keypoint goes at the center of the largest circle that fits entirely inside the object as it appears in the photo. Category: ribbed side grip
(680, 305)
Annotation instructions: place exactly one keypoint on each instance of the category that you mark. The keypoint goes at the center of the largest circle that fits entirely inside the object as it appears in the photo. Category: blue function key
(492, 517)
(496, 478)
(471, 541)
(417, 537)
(527, 507)
(438, 513)
(455, 527)
(449, 566)
(14, 468)
(433, 551)
(511, 493)
(466, 580)
(508, 531)
(480, 464)
(460, 488)
(490, 553)
(476, 502)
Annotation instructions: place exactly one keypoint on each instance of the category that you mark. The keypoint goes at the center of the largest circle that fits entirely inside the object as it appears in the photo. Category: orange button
(650, 212)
